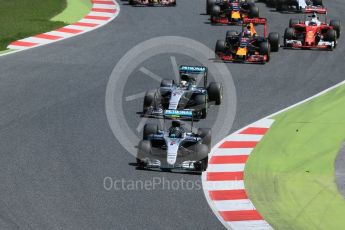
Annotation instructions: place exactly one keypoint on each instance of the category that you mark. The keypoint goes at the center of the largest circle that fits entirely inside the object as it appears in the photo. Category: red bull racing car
(248, 46)
(312, 33)
(152, 2)
(231, 11)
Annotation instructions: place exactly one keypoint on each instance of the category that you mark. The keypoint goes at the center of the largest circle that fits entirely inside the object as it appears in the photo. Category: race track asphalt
(56, 146)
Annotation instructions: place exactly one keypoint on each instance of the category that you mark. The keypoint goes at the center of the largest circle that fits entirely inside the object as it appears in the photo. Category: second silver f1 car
(184, 95)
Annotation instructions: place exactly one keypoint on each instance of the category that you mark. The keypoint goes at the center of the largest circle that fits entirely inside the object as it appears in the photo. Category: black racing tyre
(202, 165)
(144, 149)
(215, 92)
(317, 3)
(201, 105)
(220, 47)
(336, 26)
(149, 100)
(131, 2)
(274, 40)
(149, 129)
(231, 33)
(206, 135)
(289, 34)
(280, 5)
(215, 11)
(253, 12)
(294, 21)
(271, 3)
(209, 5)
(202, 152)
(167, 83)
(250, 1)
(264, 48)
(331, 35)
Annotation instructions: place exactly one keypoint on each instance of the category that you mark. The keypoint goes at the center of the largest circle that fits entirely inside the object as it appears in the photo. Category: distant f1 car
(152, 2)
(312, 33)
(175, 147)
(300, 5)
(231, 11)
(184, 95)
(248, 46)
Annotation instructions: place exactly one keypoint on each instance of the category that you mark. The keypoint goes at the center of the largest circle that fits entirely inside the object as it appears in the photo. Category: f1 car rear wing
(257, 21)
(315, 9)
(186, 114)
(185, 69)
(178, 113)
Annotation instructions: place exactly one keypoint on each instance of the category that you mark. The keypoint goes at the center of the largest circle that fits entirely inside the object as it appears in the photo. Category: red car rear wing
(313, 9)
(257, 21)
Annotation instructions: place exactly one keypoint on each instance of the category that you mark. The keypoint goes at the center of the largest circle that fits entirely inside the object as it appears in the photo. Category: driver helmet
(176, 131)
(184, 80)
(247, 33)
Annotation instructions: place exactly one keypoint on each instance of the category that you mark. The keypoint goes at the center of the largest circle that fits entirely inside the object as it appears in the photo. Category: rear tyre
(274, 40)
(215, 92)
(336, 26)
(209, 5)
(148, 101)
(317, 3)
(167, 83)
(293, 21)
(280, 5)
(231, 33)
(215, 11)
(253, 12)
(149, 129)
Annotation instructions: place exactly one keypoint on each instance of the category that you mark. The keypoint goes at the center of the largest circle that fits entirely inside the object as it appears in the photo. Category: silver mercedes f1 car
(186, 94)
(174, 147)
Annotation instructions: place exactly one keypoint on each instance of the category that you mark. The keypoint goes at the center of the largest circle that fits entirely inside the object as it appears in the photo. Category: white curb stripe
(231, 152)
(102, 14)
(234, 205)
(250, 224)
(103, 6)
(243, 137)
(225, 168)
(235, 209)
(223, 185)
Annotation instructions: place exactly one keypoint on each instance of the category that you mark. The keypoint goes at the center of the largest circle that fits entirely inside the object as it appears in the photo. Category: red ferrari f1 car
(312, 33)
(231, 11)
(248, 46)
(152, 2)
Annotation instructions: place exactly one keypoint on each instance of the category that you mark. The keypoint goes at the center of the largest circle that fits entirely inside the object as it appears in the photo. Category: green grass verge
(290, 175)
(76, 10)
(24, 18)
